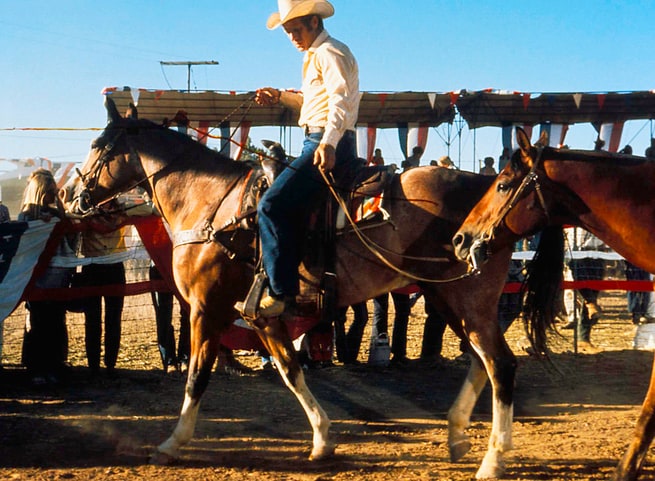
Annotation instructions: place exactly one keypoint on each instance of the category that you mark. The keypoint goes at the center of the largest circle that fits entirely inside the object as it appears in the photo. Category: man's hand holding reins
(267, 96)
(325, 157)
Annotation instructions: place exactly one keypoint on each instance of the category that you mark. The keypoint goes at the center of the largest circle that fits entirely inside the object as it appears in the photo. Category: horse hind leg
(200, 368)
(630, 465)
(276, 340)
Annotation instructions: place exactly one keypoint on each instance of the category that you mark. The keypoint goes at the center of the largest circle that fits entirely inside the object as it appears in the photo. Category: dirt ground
(571, 423)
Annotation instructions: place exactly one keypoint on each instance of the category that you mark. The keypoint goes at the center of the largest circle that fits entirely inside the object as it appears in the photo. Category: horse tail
(541, 288)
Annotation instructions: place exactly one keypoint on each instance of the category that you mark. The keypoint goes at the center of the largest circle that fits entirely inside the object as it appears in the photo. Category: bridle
(90, 179)
(478, 251)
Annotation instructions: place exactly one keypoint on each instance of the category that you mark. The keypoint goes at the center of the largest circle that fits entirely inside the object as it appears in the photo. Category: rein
(376, 249)
(204, 234)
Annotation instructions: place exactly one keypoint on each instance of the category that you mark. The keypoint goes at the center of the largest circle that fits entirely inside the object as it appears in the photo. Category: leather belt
(314, 130)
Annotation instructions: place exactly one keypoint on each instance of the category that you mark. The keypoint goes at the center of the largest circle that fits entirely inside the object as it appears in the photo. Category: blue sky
(57, 56)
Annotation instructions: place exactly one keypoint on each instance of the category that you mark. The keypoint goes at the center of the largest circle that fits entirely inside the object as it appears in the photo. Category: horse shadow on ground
(253, 420)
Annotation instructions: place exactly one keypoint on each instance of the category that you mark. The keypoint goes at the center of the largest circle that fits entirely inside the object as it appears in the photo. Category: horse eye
(502, 187)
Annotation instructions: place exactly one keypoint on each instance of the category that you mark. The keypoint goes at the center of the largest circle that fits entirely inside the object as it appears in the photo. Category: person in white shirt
(329, 105)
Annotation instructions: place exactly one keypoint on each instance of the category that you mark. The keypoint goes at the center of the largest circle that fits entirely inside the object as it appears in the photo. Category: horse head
(98, 180)
(512, 208)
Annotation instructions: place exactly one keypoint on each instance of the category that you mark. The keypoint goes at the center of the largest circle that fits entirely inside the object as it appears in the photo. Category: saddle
(363, 199)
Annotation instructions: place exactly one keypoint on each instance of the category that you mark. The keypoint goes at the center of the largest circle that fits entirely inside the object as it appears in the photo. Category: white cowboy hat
(290, 9)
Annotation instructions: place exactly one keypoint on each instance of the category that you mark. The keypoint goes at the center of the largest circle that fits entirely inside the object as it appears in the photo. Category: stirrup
(249, 308)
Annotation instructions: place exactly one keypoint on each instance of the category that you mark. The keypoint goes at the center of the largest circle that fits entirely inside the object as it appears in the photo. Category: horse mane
(185, 145)
(541, 288)
(577, 155)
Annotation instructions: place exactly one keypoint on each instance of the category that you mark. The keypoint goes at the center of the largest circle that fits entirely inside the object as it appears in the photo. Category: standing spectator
(445, 162)
(433, 331)
(414, 159)
(4, 217)
(4, 211)
(586, 269)
(650, 151)
(102, 238)
(45, 343)
(638, 302)
(510, 304)
(377, 158)
(348, 345)
(97, 244)
(504, 158)
(402, 309)
(163, 304)
(488, 168)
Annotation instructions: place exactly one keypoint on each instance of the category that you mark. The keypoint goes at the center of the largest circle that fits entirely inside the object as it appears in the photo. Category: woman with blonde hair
(45, 343)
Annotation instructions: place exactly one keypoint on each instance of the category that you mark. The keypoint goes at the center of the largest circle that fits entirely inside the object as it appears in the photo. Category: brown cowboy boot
(271, 306)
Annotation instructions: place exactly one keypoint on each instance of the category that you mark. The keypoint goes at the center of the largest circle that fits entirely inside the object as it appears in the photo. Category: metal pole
(188, 65)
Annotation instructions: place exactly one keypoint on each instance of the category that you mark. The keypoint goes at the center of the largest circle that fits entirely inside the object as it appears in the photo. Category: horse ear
(523, 140)
(525, 146)
(112, 111)
(131, 112)
(543, 139)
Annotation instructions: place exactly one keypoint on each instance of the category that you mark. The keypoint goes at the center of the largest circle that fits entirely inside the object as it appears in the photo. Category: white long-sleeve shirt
(330, 89)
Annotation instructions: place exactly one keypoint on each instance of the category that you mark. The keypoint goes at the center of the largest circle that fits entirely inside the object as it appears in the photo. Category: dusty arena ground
(572, 423)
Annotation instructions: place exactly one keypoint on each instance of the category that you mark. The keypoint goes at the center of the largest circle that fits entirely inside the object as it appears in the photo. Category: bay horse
(197, 189)
(609, 195)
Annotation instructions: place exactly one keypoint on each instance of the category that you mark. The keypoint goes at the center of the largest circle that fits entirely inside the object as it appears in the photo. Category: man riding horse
(329, 104)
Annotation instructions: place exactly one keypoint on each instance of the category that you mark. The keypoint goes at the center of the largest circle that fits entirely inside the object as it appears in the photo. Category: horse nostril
(458, 239)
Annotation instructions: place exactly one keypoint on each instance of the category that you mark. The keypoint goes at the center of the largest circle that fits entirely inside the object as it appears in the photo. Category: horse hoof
(459, 449)
(495, 473)
(322, 453)
(161, 459)
(492, 467)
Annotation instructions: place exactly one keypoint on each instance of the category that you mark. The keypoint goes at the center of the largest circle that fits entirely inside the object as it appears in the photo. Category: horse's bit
(477, 252)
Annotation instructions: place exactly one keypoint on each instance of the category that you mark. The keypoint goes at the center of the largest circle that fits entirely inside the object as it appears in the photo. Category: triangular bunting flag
(601, 100)
(577, 98)
(432, 97)
(135, 95)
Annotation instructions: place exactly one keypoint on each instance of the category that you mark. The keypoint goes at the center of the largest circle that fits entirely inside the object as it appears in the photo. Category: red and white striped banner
(366, 137)
(610, 133)
(556, 133)
(417, 134)
(234, 139)
(509, 135)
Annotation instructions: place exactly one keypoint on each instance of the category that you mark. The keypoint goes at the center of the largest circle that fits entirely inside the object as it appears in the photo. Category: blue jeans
(284, 211)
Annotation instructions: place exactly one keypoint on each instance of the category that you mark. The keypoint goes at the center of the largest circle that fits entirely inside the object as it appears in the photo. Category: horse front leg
(276, 339)
(500, 364)
(459, 414)
(204, 349)
(630, 465)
